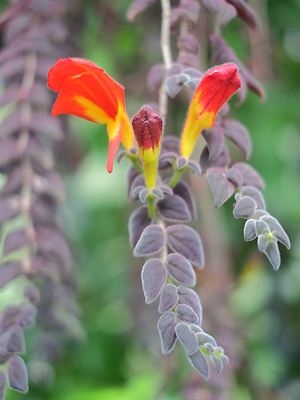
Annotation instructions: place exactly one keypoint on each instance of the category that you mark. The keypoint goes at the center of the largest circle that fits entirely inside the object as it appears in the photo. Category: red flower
(87, 91)
(216, 87)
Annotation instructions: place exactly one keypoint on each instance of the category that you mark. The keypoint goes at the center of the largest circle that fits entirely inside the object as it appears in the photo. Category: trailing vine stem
(165, 43)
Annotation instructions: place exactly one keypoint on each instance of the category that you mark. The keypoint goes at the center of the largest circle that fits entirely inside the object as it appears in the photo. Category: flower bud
(147, 126)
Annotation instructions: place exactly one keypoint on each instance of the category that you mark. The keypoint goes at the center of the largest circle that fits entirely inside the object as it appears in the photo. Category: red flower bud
(147, 127)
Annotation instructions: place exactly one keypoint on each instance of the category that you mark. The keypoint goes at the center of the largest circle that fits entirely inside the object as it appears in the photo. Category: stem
(176, 177)
(151, 206)
(135, 163)
(166, 52)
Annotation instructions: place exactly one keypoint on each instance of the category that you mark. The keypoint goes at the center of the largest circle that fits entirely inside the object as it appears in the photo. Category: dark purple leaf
(138, 6)
(238, 134)
(45, 124)
(255, 194)
(17, 374)
(52, 241)
(245, 207)
(187, 9)
(155, 77)
(27, 315)
(215, 141)
(168, 298)
(15, 342)
(174, 209)
(222, 160)
(9, 151)
(166, 328)
(8, 317)
(154, 276)
(195, 167)
(186, 313)
(249, 175)
(181, 269)
(198, 361)
(189, 43)
(189, 297)
(245, 12)
(32, 294)
(187, 338)
(224, 11)
(204, 338)
(186, 241)
(182, 190)
(9, 271)
(171, 144)
(137, 182)
(235, 177)
(222, 189)
(151, 241)
(15, 240)
(9, 208)
(173, 86)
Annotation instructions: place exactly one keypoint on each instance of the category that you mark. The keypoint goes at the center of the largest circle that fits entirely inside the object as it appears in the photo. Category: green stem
(135, 162)
(151, 206)
(176, 177)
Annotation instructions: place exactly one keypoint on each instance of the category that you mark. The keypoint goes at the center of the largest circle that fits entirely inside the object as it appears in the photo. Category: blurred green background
(119, 356)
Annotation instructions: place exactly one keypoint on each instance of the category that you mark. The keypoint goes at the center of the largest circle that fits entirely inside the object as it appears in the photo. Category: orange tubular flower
(217, 85)
(147, 126)
(87, 91)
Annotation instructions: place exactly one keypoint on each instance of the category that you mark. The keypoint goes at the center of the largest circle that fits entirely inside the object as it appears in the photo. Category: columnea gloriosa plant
(161, 163)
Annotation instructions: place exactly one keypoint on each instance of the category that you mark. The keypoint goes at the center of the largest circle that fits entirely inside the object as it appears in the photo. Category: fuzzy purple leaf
(138, 6)
(15, 340)
(138, 221)
(181, 269)
(250, 230)
(215, 141)
(189, 297)
(155, 77)
(271, 250)
(186, 241)
(154, 276)
(151, 241)
(166, 328)
(224, 11)
(9, 271)
(238, 134)
(245, 207)
(199, 362)
(222, 189)
(174, 209)
(17, 374)
(168, 298)
(187, 338)
(222, 160)
(249, 175)
(187, 314)
(255, 194)
(245, 12)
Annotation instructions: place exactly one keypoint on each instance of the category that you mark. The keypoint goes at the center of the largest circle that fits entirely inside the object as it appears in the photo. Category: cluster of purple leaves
(168, 276)
(34, 244)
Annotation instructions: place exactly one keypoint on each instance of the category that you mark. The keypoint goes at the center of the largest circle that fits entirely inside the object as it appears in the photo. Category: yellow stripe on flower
(149, 159)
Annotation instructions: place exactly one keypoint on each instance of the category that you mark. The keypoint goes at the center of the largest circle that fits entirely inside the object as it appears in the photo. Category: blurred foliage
(267, 304)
